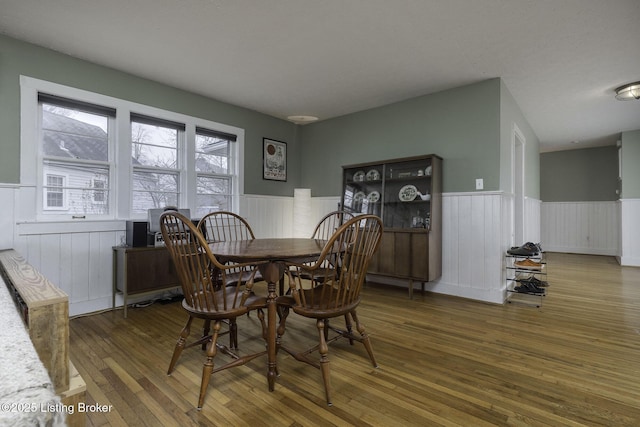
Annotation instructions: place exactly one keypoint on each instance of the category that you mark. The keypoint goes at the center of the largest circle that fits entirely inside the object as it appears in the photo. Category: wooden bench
(44, 308)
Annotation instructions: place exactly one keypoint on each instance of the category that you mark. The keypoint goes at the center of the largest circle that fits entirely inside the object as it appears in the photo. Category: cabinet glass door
(363, 190)
(407, 194)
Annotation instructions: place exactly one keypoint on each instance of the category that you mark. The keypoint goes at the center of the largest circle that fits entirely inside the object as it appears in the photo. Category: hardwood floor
(443, 361)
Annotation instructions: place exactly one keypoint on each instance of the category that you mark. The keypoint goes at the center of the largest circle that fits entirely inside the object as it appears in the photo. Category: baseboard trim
(627, 261)
(581, 251)
(494, 296)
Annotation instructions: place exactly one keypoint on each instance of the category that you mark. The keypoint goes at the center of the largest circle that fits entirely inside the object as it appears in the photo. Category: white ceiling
(560, 59)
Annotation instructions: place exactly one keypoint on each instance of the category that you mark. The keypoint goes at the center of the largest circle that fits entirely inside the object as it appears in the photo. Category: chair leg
(205, 332)
(365, 338)
(323, 349)
(283, 313)
(207, 368)
(263, 324)
(233, 334)
(349, 326)
(182, 339)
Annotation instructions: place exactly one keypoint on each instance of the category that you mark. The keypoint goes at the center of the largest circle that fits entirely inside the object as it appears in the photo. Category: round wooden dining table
(273, 254)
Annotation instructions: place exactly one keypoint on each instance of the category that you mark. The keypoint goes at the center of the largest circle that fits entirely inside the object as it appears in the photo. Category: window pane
(212, 154)
(212, 203)
(71, 189)
(213, 194)
(153, 190)
(212, 185)
(73, 134)
(154, 146)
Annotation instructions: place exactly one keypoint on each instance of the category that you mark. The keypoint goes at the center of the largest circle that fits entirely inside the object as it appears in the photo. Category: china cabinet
(407, 194)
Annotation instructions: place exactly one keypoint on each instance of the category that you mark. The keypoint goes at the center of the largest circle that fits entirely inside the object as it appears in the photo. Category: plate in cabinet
(373, 175)
(373, 197)
(358, 197)
(408, 193)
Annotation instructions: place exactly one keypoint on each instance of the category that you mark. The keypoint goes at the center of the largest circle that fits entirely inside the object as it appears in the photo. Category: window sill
(78, 226)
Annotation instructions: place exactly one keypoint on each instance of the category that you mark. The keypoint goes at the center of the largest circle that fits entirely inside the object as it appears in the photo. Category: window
(156, 166)
(99, 194)
(75, 149)
(92, 156)
(214, 167)
(54, 192)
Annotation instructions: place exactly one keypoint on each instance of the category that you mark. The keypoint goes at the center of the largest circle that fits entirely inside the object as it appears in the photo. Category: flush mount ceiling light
(628, 92)
(302, 119)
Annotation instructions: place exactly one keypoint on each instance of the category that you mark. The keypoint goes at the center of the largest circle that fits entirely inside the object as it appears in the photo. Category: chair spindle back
(194, 261)
(223, 226)
(350, 248)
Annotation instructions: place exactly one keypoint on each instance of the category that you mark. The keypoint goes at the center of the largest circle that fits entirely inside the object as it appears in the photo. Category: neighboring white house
(71, 186)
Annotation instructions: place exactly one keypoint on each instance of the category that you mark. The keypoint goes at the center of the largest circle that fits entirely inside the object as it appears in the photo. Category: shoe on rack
(521, 289)
(528, 288)
(528, 264)
(532, 284)
(528, 249)
(534, 289)
(539, 283)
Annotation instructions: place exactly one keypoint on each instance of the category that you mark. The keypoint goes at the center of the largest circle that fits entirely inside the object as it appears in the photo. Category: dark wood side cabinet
(407, 194)
(142, 270)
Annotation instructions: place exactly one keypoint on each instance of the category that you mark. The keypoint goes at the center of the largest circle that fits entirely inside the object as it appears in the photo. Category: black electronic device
(136, 233)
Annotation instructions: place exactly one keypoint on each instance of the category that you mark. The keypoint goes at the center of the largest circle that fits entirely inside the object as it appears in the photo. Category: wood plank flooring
(443, 361)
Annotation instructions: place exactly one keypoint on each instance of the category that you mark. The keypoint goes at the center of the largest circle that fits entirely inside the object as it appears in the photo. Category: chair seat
(234, 278)
(253, 302)
(318, 274)
(323, 306)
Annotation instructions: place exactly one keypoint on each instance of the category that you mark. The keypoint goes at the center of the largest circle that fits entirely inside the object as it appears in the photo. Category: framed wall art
(274, 164)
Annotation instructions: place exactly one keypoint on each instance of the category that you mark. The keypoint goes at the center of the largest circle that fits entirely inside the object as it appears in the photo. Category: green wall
(584, 175)
(461, 125)
(631, 165)
(17, 57)
(465, 125)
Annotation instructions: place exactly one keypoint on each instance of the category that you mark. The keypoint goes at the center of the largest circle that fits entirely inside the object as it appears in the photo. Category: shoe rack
(526, 278)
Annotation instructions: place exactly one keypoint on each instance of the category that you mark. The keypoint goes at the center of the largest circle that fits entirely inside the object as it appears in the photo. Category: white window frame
(48, 213)
(179, 170)
(31, 178)
(231, 168)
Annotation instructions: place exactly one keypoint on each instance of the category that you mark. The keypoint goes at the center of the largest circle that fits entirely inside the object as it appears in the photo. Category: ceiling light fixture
(302, 119)
(628, 92)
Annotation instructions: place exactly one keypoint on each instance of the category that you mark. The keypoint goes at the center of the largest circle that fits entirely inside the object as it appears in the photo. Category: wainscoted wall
(581, 227)
(629, 248)
(8, 194)
(269, 216)
(533, 222)
(473, 242)
(77, 257)
(272, 216)
(476, 232)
